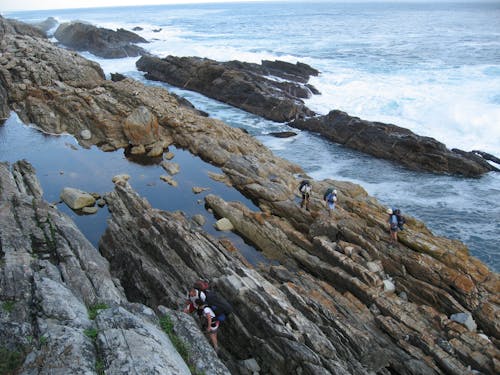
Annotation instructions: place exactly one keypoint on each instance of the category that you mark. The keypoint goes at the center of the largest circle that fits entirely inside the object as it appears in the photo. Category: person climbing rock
(210, 323)
(330, 197)
(305, 189)
(393, 225)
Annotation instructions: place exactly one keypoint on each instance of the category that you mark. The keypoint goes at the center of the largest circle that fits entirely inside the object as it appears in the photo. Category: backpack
(327, 193)
(400, 218)
(218, 304)
(394, 221)
(305, 186)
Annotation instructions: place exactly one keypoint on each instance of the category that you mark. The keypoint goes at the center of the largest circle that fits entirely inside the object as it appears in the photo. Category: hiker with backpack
(305, 189)
(211, 307)
(330, 197)
(396, 223)
(209, 321)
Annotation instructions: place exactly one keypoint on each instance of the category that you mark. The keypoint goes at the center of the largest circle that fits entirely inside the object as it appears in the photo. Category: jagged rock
(51, 281)
(46, 25)
(322, 311)
(171, 167)
(99, 41)
(169, 180)
(394, 143)
(243, 85)
(76, 199)
(12, 26)
(199, 219)
(120, 178)
(141, 127)
(199, 189)
(204, 359)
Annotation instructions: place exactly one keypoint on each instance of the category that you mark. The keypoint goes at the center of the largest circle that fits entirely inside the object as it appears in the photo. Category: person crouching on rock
(209, 321)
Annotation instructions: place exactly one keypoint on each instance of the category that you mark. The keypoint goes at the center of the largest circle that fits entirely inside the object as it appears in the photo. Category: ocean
(431, 67)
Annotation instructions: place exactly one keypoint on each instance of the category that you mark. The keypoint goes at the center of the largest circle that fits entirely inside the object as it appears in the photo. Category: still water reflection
(60, 162)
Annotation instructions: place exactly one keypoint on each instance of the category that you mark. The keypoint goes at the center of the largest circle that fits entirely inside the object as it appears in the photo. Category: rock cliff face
(341, 300)
(99, 41)
(395, 143)
(243, 85)
(61, 311)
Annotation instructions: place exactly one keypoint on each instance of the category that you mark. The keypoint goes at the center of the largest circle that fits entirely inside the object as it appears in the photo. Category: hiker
(396, 222)
(194, 295)
(209, 321)
(330, 198)
(305, 190)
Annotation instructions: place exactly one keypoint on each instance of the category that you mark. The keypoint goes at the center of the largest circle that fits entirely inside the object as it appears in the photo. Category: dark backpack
(400, 218)
(303, 183)
(218, 304)
(327, 193)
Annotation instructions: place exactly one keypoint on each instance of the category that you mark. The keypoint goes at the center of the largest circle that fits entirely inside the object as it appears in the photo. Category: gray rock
(99, 41)
(465, 319)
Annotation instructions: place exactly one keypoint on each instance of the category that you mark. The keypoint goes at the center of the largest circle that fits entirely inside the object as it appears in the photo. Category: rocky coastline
(341, 301)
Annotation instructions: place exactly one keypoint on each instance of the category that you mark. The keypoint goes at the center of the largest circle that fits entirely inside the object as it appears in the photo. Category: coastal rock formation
(99, 41)
(244, 85)
(335, 297)
(394, 143)
(61, 312)
(46, 25)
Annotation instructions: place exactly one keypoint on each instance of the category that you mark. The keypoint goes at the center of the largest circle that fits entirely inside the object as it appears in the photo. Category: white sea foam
(451, 106)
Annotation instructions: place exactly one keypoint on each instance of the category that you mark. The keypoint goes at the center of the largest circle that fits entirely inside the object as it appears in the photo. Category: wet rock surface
(244, 85)
(394, 143)
(99, 41)
(337, 299)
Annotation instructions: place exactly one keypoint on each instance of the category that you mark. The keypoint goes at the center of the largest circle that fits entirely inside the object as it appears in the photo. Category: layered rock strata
(394, 143)
(248, 86)
(327, 308)
(342, 301)
(100, 41)
(61, 311)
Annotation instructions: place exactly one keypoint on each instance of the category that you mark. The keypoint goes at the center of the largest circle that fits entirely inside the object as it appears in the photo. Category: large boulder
(394, 143)
(243, 85)
(99, 41)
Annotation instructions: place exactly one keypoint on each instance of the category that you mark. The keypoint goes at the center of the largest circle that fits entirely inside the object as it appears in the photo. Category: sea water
(431, 67)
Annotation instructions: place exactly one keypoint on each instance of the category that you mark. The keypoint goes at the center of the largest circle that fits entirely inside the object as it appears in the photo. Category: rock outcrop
(46, 25)
(394, 143)
(100, 41)
(61, 311)
(335, 298)
(244, 85)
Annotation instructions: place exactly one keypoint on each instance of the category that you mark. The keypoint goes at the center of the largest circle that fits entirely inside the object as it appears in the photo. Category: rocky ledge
(61, 311)
(335, 298)
(251, 87)
(397, 144)
(100, 41)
